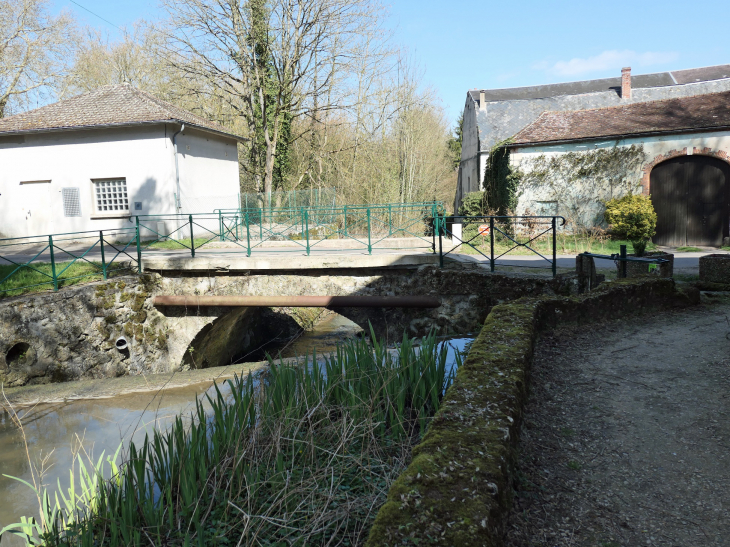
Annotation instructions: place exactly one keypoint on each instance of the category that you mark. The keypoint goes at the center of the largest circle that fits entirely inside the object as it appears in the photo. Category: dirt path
(626, 439)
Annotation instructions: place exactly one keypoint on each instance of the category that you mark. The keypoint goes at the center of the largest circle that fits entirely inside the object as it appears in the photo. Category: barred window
(71, 202)
(111, 196)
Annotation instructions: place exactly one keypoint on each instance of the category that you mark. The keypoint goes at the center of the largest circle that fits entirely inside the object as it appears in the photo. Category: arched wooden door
(691, 196)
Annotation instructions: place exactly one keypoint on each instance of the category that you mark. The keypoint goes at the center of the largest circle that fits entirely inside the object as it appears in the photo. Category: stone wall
(71, 334)
(580, 197)
(457, 490)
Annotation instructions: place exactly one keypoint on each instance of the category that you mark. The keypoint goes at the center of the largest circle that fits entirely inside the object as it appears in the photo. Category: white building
(94, 161)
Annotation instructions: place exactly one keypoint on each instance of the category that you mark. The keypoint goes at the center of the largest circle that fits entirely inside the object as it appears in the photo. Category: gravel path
(626, 439)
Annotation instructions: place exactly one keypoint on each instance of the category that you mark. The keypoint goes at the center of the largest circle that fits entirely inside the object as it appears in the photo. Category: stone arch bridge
(71, 334)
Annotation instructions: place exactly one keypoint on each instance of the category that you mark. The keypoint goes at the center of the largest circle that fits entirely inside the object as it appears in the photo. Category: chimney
(626, 82)
(482, 101)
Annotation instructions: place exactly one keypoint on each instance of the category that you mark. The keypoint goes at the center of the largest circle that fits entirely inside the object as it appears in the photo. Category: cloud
(607, 60)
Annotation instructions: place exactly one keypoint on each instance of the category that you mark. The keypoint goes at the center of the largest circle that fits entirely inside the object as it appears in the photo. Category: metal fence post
(491, 243)
(370, 246)
(139, 249)
(192, 239)
(555, 250)
(53, 264)
(440, 221)
(220, 225)
(345, 220)
(434, 223)
(306, 228)
(248, 237)
(103, 261)
(622, 263)
(261, 223)
(390, 220)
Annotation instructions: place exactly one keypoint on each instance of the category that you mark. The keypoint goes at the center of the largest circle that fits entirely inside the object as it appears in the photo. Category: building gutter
(120, 125)
(178, 204)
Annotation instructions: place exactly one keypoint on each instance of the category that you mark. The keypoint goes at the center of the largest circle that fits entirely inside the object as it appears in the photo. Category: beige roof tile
(112, 105)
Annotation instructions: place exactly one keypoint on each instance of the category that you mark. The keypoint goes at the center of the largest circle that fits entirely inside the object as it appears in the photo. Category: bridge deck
(289, 261)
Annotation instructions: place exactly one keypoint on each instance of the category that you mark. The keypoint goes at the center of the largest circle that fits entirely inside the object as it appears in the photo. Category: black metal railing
(505, 234)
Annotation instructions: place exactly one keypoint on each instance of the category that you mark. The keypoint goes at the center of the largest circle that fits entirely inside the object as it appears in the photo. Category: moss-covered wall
(458, 488)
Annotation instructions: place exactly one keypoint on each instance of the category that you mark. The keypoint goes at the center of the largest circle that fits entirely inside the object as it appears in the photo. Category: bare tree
(35, 48)
(276, 61)
(133, 60)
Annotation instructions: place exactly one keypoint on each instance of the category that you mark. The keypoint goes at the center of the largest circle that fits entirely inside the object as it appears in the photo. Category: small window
(110, 196)
(71, 202)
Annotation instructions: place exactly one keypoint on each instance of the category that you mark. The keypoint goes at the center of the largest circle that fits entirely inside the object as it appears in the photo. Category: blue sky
(464, 45)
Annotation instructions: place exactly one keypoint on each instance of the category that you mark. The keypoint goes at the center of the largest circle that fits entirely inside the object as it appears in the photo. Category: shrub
(632, 217)
(473, 205)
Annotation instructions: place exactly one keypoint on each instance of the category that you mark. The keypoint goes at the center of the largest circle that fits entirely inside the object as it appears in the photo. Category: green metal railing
(33, 263)
(298, 229)
(60, 259)
(493, 237)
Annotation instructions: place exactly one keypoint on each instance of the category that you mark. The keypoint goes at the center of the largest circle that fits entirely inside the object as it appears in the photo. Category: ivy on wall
(500, 182)
(581, 182)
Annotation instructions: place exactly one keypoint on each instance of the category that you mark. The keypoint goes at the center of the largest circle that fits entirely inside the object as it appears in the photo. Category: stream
(52, 432)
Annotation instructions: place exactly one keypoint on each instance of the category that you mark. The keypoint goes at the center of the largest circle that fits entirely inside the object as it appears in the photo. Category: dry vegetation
(324, 95)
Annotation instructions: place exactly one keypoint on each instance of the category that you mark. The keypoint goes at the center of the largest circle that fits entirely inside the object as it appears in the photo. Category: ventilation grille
(71, 202)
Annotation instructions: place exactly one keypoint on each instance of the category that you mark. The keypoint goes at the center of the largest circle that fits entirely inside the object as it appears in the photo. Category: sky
(486, 45)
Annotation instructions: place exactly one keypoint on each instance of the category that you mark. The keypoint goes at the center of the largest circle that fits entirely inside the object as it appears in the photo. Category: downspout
(177, 168)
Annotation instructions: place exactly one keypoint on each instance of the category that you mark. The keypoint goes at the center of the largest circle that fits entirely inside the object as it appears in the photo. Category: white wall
(654, 147)
(208, 172)
(142, 155)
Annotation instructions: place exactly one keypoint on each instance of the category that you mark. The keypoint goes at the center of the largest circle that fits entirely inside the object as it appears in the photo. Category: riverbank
(105, 388)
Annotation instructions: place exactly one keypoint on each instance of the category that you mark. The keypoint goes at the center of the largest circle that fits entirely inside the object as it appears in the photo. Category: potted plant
(632, 217)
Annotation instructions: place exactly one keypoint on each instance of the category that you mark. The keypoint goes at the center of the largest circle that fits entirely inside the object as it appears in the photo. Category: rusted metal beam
(300, 301)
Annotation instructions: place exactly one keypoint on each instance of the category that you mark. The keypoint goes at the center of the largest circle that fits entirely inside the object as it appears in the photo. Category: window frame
(96, 213)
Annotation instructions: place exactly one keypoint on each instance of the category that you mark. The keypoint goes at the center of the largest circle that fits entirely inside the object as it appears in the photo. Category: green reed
(306, 458)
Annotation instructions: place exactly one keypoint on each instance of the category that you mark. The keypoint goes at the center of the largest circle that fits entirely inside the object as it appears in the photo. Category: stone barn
(567, 148)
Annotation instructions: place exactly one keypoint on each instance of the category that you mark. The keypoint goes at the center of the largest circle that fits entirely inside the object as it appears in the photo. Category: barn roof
(508, 111)
(108, 106)
(696, 113)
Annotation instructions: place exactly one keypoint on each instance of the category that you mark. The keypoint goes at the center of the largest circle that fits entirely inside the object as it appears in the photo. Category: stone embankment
(73, 334)
(457, 490)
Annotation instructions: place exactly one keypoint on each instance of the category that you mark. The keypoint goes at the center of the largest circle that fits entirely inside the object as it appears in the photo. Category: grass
(178, 244)
(566, 244)
(688, 250)
(37, 277)
(307, 459)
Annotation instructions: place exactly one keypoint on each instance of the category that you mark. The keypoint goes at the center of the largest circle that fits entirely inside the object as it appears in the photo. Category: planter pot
(641, 269)
(715, 268)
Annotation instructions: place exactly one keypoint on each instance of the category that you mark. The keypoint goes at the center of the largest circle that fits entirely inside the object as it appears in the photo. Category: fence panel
(29, 264)
(494, 237)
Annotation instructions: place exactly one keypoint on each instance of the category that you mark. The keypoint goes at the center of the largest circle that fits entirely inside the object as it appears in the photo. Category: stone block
(715, 268)
(641, 269)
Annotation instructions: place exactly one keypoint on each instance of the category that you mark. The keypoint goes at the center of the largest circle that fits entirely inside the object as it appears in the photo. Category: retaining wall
(458, 488)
